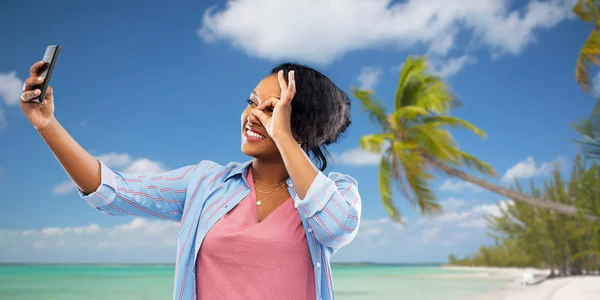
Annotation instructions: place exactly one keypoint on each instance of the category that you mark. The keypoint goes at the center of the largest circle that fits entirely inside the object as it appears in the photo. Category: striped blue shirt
(197, 196)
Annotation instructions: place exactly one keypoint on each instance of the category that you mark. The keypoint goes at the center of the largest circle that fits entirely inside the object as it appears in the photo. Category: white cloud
(140, 240)
(124, 162)
(529, 168)
(452, 203)
(356, 157)
(120, 162)
(11, 88)
(368, 78)
(320, 31)
(115, 160)
(64, 188)
(429, 235)
(144, 165)
(421, 239)
(144, 240)
(449, 67)
(454, 185)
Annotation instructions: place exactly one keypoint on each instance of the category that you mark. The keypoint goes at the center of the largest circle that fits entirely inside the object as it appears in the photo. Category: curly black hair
(320, 111)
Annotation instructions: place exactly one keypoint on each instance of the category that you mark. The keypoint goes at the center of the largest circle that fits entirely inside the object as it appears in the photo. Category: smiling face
(255, 140)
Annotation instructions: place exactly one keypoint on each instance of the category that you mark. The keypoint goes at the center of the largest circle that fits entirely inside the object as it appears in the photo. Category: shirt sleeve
(332, 207)
(156, 195)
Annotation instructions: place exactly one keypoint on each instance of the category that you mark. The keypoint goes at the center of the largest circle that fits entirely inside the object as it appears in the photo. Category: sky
(155, 85)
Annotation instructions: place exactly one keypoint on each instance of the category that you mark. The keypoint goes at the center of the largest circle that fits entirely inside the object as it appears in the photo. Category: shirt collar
(240, 169)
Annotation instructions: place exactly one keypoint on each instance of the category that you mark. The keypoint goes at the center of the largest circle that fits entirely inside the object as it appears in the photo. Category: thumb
(261, 116)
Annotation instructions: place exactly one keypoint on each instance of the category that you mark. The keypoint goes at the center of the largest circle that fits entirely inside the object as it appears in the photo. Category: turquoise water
(153, 282)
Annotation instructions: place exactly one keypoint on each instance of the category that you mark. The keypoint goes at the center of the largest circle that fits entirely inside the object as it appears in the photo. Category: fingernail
(40, 79)
(36, 92)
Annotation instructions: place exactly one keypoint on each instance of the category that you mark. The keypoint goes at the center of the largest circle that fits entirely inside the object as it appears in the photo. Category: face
(255, 140)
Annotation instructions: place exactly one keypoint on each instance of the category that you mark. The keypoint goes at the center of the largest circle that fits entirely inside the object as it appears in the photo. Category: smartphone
(50, 58)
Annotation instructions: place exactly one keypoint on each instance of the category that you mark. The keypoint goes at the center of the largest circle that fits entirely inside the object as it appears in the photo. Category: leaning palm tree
(415, 140)
(589, 57)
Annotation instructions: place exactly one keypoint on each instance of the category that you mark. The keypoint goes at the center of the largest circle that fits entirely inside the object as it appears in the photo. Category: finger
(270, 102)
(49, 94)
(32, 82)
(282, 83)
(291, 90)
(262, 117)
(37, 68)
(29, 95)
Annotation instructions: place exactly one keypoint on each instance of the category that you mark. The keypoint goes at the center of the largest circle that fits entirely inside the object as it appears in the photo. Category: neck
(269, 172)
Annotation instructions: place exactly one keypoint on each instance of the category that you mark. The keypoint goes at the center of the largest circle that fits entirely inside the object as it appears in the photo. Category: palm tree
(589, 56)
(414, 140)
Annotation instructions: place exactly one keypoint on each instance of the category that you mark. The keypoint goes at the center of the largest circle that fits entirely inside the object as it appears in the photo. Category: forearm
(299, 166)
(81, 166)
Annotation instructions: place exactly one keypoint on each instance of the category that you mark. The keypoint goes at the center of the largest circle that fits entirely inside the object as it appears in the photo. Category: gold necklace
(265, 184)
(263, 192)
(259, 202)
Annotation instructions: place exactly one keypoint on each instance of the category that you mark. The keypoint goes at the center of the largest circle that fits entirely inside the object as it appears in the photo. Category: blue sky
(151, 86)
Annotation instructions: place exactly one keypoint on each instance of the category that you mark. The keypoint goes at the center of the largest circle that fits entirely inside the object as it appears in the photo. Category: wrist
(48, 126)
(284, 138)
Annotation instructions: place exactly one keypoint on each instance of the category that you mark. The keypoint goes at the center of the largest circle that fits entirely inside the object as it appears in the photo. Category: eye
(250, 102)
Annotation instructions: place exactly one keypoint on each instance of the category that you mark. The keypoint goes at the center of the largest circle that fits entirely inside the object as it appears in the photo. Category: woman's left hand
(278, 124)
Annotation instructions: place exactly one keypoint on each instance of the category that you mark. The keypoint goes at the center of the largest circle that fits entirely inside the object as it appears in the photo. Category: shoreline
(583, 287)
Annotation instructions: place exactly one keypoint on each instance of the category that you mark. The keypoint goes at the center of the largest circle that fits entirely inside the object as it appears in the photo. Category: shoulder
(342, 178)
(214, 171)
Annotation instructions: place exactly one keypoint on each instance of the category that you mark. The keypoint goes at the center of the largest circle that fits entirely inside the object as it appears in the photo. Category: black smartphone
(50, 58)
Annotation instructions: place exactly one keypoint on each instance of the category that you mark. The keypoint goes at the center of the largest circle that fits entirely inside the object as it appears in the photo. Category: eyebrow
(255, 94)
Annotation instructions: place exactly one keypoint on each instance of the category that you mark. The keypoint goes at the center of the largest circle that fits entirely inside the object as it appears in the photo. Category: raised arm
(331, 204)
(155, 195)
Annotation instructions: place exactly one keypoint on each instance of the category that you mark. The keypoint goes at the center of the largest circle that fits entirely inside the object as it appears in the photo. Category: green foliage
(415, 134)
(527, 236)
(588, 58)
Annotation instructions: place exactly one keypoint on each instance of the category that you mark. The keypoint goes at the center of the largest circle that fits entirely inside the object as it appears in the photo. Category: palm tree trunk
(512, 194)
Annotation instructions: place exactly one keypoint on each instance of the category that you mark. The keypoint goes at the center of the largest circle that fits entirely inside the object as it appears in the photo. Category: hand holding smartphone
(50, 57)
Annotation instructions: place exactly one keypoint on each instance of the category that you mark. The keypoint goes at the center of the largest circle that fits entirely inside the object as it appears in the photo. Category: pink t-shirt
(241, 258)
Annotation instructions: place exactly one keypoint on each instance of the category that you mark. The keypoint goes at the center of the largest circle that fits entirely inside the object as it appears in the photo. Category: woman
(267, 227)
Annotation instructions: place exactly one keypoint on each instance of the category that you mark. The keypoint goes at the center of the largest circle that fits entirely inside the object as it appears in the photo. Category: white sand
(570, 288)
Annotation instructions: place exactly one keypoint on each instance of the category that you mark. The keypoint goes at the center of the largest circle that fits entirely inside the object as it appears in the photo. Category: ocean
(153, 282)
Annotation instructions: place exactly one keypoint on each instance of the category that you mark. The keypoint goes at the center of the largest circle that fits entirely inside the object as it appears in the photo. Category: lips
(254, 130)
(253, 135)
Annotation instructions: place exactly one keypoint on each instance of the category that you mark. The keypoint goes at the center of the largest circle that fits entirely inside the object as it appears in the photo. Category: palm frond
(476, 163)
(385, 188)
(454, 122)
(586, 10)
(374, 142)
(590, 138)
(398, 176)
(407, 113)
(435, 142)
(417, 178)
(374, 108)
(589, 55)
(413, 67)
(435, 95)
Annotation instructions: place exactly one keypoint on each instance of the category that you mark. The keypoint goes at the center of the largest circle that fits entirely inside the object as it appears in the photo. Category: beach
(352, 282)
(567, 288)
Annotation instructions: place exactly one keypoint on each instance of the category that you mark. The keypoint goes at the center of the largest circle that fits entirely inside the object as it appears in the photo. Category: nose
(252, 119)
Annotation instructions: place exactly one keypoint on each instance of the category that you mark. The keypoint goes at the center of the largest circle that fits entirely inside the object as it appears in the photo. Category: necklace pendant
(258, 202)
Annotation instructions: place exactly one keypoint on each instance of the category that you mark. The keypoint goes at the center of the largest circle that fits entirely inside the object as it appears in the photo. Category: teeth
(254, 134)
